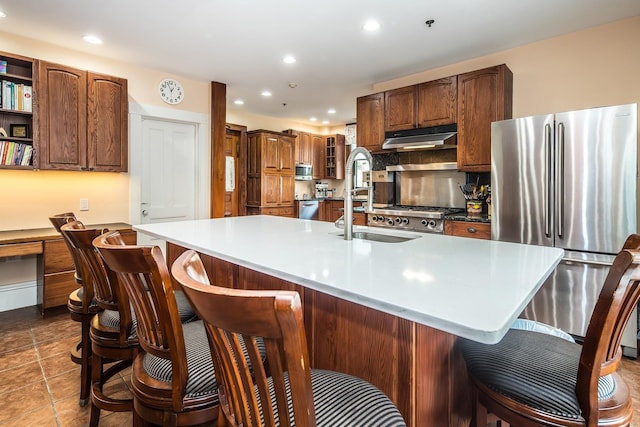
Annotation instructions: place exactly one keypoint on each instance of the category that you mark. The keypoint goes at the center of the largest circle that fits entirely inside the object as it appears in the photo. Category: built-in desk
(386, 312)
(55, 269)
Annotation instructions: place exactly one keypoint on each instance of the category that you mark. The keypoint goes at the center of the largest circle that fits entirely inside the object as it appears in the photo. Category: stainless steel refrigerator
(568, 180)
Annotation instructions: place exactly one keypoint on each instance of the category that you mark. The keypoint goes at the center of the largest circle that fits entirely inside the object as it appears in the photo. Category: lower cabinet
(288, 211)
(56, 271)
(478, 230)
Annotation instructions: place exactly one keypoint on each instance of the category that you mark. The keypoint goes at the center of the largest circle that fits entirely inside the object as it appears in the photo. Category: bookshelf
(16, 112)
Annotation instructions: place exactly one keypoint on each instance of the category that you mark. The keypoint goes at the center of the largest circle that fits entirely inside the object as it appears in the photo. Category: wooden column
(218, 122)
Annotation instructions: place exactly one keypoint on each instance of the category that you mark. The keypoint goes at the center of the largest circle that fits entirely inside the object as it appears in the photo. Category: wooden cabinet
(370, 122)
(317, 157)
(83, 123)
(400, 108)
(427, 104)
(334, 156)
(303, 151)
(17, 112)
(478, 230)
(270, 174)
(484, 96)
(437, 102)
(56, 279)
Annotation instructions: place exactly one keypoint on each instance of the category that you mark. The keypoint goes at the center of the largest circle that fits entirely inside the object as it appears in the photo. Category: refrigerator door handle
(601, 262)
(560, 178)
(547, 188)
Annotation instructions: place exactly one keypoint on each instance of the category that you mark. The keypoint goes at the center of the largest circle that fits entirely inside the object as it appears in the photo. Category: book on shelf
(15, 153)
(16, 96)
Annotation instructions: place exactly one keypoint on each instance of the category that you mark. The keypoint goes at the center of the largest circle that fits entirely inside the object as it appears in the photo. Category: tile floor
(39, 384)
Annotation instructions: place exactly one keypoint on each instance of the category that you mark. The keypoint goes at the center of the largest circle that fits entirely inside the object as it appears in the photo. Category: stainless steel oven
(424, 219)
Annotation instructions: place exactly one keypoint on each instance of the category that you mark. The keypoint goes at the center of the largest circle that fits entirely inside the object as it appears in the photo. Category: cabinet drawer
(478, 230)
(57, 288)
(57, 257)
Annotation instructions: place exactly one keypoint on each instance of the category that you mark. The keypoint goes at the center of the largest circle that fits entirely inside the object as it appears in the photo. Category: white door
(169, 166)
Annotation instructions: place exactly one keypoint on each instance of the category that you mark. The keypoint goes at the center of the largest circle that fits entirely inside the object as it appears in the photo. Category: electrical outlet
(84, 204)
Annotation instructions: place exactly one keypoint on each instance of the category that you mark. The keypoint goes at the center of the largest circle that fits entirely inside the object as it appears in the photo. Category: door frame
(139, 112)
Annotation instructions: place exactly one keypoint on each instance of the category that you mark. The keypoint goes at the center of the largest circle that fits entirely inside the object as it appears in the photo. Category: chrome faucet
(350, 191)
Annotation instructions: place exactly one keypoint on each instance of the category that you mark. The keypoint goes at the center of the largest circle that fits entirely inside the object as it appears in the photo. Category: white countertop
(468, 287)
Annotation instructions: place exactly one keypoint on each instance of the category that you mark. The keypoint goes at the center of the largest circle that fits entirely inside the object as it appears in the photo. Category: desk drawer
(57, 257)
(20, 249)
(57, 288)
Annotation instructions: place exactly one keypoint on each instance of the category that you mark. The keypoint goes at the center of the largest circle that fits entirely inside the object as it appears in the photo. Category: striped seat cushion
(536, 369)
(345, 400)
(111, 318)
(202, 378)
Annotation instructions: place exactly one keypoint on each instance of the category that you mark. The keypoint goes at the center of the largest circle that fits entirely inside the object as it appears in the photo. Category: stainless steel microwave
(303, 172)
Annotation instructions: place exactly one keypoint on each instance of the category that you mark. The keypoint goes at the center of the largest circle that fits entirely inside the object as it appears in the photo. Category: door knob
(145, 212)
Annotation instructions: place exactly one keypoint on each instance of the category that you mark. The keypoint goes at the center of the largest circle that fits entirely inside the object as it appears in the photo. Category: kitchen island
(387, 312)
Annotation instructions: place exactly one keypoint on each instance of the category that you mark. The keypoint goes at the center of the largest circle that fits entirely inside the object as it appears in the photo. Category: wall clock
(171, 91)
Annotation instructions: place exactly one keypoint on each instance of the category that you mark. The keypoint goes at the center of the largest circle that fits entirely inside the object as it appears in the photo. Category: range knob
(380, 218)
(390, 221)
(405, 221)
(424, 222)
(374, 218)
(398, 220)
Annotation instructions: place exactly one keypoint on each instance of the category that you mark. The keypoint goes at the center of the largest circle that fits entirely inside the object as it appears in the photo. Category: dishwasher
(308, 209)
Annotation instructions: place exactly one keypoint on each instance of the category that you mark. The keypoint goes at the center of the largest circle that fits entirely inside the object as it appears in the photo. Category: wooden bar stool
(82, 307)
(534, 379)
(236, 320)
(172, 378)
(112, 331)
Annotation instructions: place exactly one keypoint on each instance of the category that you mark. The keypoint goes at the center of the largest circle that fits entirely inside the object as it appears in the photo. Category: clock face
(171, 91)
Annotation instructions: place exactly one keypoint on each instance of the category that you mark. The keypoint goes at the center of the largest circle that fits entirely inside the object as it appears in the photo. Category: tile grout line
(46, 380)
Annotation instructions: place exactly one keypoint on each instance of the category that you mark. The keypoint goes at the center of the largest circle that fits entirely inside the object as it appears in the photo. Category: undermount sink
(376, 237)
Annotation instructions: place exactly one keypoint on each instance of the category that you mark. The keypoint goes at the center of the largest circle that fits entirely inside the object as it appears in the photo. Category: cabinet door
(484, 96)
(304, 148)
(285, 154)
(270, 189)
(400, 109)
(107, 123)
(370, 121)
(270, 153)
(62, 94)
(437, 102)
(318, 161)
(287, 190)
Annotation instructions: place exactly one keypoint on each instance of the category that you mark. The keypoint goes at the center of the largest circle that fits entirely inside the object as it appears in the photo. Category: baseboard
(18, 295)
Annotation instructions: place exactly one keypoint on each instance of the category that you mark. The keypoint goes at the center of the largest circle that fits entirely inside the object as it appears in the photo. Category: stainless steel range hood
(421, 139)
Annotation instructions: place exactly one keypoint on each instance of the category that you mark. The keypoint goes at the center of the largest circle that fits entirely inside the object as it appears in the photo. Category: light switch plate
(84, 204)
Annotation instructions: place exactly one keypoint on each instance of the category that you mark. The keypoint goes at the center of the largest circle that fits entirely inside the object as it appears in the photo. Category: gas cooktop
(417, 211)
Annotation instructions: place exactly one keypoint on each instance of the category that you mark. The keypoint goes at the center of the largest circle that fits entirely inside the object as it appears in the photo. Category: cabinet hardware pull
(471, 229)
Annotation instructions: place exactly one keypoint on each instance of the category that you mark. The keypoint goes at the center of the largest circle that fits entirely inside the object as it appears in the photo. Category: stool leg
(85, 367)
(96, 387)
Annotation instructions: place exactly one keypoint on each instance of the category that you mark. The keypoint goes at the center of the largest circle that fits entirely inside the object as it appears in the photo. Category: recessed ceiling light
(371, 26)
(325, 122)
(331, 111)
(266, 93)
(2, 14)
(313, 119)
(238, 102)
(92, 39)
(288, 59)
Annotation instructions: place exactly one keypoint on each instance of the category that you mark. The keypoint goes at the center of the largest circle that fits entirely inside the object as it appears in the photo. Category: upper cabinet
(370, 122)
(437, 102)
(83, 120)
(484, 96)
(17, 112)
(317, 157)
(427, 104)
(335, 156)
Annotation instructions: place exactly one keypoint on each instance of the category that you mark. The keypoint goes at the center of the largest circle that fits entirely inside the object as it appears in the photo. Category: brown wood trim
(218, 129)
(242, 167)
(20, 249)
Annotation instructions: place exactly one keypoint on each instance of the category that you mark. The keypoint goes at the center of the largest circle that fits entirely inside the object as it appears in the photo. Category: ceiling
(242, 42)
